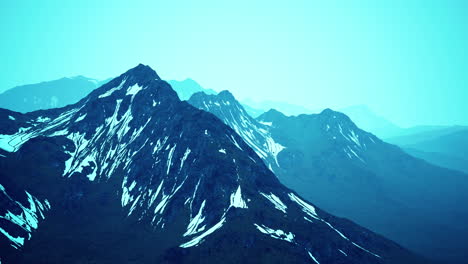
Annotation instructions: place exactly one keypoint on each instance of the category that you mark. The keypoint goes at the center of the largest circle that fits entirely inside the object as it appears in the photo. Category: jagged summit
(327, 111)
(142, 72)
(330, 120)
(225, 94)
(202, 95)
(332, 114)
(140, 75)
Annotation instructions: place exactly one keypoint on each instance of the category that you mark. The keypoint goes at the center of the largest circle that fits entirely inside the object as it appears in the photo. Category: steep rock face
(131, 174)
(353, 174)
(232, 113)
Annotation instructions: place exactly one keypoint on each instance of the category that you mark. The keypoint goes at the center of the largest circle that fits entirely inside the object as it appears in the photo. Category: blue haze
(406, 60)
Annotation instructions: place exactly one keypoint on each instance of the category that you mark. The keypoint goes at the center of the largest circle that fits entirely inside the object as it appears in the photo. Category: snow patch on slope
(266, 123)
(80, 118)
(236, 199)
(276, 234)
(307, 208)
(132, 90)
(276, 201)
(111, 91)
(195, 222)
(313, 258)
(273, 148)
(28, 219)
(199, 239)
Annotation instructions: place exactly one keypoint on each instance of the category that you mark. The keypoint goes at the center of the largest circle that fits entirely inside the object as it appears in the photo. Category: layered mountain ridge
(351, 173)
(132, 174)
(50, 94)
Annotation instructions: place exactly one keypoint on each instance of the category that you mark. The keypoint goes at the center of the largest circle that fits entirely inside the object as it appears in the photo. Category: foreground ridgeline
(131, 174)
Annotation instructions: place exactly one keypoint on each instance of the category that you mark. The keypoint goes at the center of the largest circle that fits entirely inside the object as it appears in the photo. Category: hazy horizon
(404, 59)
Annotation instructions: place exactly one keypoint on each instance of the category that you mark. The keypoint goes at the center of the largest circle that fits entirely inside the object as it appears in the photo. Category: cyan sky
(407, 60)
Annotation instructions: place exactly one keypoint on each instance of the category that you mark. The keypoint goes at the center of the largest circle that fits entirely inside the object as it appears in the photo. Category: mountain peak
(142, 71)
(187, 83)
(200, 96)
(225, 94)
(271, 115)
(329, 113)
(132, 81)
(222, 96)
(274, 112)
(190, 81)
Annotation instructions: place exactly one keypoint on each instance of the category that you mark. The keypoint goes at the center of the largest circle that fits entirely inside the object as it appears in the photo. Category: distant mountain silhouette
(446, 147)
(253, 112)
(50, 94)
(366, 119)
(440, 159)
(187, 87)
(418, 134)
(284, 107)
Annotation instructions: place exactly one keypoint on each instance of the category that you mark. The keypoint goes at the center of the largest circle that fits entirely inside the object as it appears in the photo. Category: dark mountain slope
(384, 181)
(351, 173)
(231, 112)
(130, 174)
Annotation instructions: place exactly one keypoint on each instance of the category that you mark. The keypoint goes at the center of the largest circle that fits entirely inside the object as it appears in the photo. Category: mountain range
(363, 116)
(50, 94)
(352, 173)
(186, 88)
(131, 174)
(444, 146)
